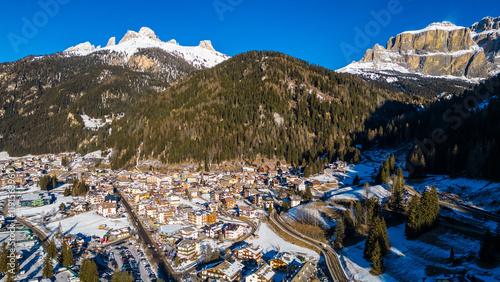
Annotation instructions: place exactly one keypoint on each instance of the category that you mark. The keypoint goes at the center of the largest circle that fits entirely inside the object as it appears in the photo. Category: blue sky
(320, 32)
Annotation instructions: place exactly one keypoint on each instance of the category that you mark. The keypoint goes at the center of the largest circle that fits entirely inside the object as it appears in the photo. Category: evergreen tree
(119, 276)
(51, 249)
(88, 271)
(452, 255)
(48, 268)
(3, 258)
(285, 206)
(356, 180)
(486, 251)
(67, 255)
(176, 261)
(64, 161)
(270, 209)
(392, 163)
(396, 201)
(422, 213)
(377, 233)
(377, 259)
(308, 196)
(62, 207)
(415, 163)
(340, 231)
(412, 226)
(66, 192)
(358, 215)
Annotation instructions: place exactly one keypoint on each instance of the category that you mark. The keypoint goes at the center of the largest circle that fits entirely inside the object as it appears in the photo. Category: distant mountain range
(153, 99)
(200, 57)
(441, 50)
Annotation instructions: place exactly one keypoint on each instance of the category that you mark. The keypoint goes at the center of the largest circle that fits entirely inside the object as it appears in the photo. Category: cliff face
(441, 49)
(486, 34)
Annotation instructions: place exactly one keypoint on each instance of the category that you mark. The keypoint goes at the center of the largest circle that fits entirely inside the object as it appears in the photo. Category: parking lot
(130, 258)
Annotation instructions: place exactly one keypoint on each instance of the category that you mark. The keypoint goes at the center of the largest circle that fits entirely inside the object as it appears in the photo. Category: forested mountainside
(456, 136)
(42, 98)
(255, 103)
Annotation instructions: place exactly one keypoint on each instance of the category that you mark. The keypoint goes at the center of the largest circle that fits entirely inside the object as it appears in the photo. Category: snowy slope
(202, 56)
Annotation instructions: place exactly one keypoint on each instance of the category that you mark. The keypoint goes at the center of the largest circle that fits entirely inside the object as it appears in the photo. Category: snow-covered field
(408, 260)
(270, 241)
(4, 156)
(310, 211)
(43, 210)
(378, 191)
(88, 224)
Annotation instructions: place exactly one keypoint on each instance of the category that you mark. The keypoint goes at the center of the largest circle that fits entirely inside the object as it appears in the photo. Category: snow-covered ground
(409, 260)
(4, 156)
(481, 193)
(269, 241)
(88, 224)
(311, 211)
(378, 191)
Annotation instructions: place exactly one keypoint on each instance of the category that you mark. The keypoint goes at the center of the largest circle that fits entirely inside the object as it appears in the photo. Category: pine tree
(62, 207)
(412, 227)
(285, 206)
(308, 195)
(486, 251)
(396, 202)
(176, 261)
(377, 259)
(67, 255)
(358, 215)
(415, 163)
(54, 182)
(66, 192)
(392, 163)
(48, 268)
(64, 161)
(378, 233)
(356, 180)
(52, 249)
(452, 255)
(340, 231)
(88, 271)
(3, 258)
(119, 276)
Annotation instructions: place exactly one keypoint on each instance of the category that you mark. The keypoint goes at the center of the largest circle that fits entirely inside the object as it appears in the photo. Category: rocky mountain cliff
(439, 50)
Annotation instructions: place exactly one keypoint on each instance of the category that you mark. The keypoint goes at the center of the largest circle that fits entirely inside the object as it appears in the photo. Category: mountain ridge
(439, 50)
(202, 56)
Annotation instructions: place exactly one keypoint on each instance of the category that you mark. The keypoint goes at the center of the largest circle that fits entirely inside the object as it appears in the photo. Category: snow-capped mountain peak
(202, 56)
(81, 48)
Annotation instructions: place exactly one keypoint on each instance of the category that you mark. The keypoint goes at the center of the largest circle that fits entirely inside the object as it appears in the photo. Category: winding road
(335, 269)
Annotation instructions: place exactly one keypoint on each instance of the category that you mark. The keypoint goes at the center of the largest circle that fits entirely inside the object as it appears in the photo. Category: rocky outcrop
(440, 49)
(486, 34)
(82, 47)
(143, 63)
(111, 42)
(207, 44)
